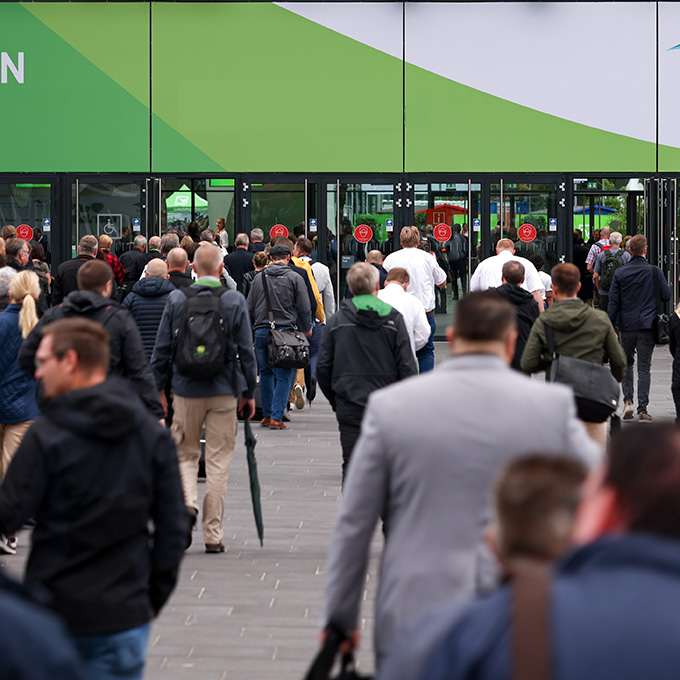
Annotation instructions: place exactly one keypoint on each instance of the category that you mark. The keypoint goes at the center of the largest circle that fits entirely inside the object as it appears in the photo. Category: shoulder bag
(595, 389)
(286, 348)
(661, 320)
(322, 665)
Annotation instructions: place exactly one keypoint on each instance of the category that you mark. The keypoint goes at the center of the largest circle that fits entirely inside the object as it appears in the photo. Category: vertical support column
(565, 221)
(60, 235)
(485, 216)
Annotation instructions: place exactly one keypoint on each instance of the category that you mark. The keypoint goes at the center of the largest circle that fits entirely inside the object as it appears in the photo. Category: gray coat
(427, 461)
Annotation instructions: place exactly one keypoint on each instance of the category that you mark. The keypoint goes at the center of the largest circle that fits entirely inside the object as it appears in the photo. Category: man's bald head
(157, 267)
(208, 260)
(374, 257)
(177, 260)
(605, 232)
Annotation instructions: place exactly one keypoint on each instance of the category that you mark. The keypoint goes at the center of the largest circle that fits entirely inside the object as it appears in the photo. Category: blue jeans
(119, 655)
(275, 383)
(425, 354)
(643, 343)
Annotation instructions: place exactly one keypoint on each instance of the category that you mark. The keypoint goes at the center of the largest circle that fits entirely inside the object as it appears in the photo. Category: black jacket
(128, 359)
(94, 470)
(365, 347)
(238, 263)
(146, 303)
(66, 280)
(133, 262)
(632, 300)
(180, 279)
(527, 312)
(674, 346)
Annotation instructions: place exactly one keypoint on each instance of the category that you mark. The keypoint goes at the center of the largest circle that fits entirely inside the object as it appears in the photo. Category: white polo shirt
(489, 273)
(423, 271)
(411, 308)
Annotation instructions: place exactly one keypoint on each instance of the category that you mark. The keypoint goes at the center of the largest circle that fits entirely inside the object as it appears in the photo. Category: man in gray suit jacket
(426, 462)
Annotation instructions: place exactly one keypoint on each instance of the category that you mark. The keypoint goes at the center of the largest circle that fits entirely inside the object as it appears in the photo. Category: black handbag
(286, 348)
(661, 326)
(323, 663)
(596, 391)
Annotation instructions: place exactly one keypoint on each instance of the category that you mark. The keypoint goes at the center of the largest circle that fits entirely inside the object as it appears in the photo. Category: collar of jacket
(210, 281)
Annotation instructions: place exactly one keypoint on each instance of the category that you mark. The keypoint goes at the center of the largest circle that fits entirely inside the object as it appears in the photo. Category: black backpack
(610, 263)
(203, 342)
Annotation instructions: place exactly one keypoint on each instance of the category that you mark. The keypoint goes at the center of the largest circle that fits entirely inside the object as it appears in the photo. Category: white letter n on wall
(7, 64)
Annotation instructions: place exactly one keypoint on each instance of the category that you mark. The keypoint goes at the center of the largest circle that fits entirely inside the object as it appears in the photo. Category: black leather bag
(285, 348)
(661, 325)
(322, 665)
(596, 391)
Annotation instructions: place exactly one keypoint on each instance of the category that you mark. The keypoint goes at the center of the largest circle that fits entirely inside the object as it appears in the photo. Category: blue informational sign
(552, 224)
(312, 224)
(389, 223)
(477, 224)
(47, 224)
(136, 223)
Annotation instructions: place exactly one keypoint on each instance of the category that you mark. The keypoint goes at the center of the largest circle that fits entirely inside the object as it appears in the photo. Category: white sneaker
(299, 397)
(628, 410)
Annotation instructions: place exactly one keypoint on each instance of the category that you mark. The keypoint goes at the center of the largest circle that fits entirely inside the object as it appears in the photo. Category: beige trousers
(10, 438)
(597, 432)
(219, 416)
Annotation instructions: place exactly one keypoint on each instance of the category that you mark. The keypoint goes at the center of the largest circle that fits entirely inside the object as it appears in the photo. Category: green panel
(171, 150)
(669, 158)
(472, 131)
(69, 116)
(258, 88)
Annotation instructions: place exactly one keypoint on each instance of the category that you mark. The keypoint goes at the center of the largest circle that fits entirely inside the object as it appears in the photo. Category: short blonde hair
(409, 237)
(105, 242)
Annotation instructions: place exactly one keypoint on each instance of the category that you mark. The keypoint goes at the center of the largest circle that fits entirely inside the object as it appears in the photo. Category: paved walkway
(253, 612)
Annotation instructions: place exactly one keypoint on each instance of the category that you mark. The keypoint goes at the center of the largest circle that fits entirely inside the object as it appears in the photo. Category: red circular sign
(25, 232)
(363, 233)
(443, 233)
(527, 233)
(278, 230)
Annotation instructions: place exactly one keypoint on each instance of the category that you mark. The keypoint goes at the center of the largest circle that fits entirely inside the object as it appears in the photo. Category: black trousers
(458, 272)
(349, 433)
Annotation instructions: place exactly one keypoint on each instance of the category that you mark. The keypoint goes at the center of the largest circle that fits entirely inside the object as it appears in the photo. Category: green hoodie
(578, 331)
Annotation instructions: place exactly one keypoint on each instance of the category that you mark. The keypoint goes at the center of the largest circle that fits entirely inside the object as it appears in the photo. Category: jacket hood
(153, 286)
(566, 315)
(368, 311)
(85, 302)
(514, 293)
(106, 411)
(277, 269)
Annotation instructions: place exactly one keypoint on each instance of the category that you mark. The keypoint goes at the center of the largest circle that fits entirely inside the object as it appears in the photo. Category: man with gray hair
(256, 241)
(66, 279)
(240, 260)
(606, 263)
(6, 276)
(365, 347)
(133, 261)
(177, 268)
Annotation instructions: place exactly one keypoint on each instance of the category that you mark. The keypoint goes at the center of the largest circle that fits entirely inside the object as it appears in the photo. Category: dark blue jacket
(146, 303)
(613, 617)
(17, 390)
(632, 301)
(238, 263)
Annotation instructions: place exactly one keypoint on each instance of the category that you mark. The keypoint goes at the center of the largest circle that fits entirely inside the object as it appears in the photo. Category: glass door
(115, 208)
(360, 217)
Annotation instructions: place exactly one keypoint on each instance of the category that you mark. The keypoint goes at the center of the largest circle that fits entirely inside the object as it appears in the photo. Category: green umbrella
(254, 481)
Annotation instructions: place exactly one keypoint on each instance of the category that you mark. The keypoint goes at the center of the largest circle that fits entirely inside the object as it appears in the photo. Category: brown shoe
(214, 547)
(265, 422)
(277, 425)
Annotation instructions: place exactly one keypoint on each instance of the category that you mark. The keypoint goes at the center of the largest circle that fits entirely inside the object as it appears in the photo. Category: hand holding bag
(323, 663)
(661, 321)
(286, 348)
(595, 389)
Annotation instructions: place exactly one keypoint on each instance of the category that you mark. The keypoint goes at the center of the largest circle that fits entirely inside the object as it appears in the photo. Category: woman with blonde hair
(18, 407)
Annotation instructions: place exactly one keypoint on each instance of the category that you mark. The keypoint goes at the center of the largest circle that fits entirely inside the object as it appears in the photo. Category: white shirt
(322, 276)
(423, 271)
(412, 310)
(546, 280)
(489, 273)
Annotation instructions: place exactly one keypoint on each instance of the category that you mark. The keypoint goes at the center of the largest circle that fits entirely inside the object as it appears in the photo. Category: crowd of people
(116, 368)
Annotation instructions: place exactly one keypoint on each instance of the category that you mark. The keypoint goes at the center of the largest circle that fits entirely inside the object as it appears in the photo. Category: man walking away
(394, 294)
(256, 241)
(133, 261)
(100, 477)
(524, 303)
(206, 393)
(606, 263)
(424, 274)
(177, 268)
(126, 350)
(239, 261)
(365, 347)
(146, 302)
(66, 279)
(424, 480)
(458, 257)
(633, 309)
(609, 599)
(578, 331)
(290, 305)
